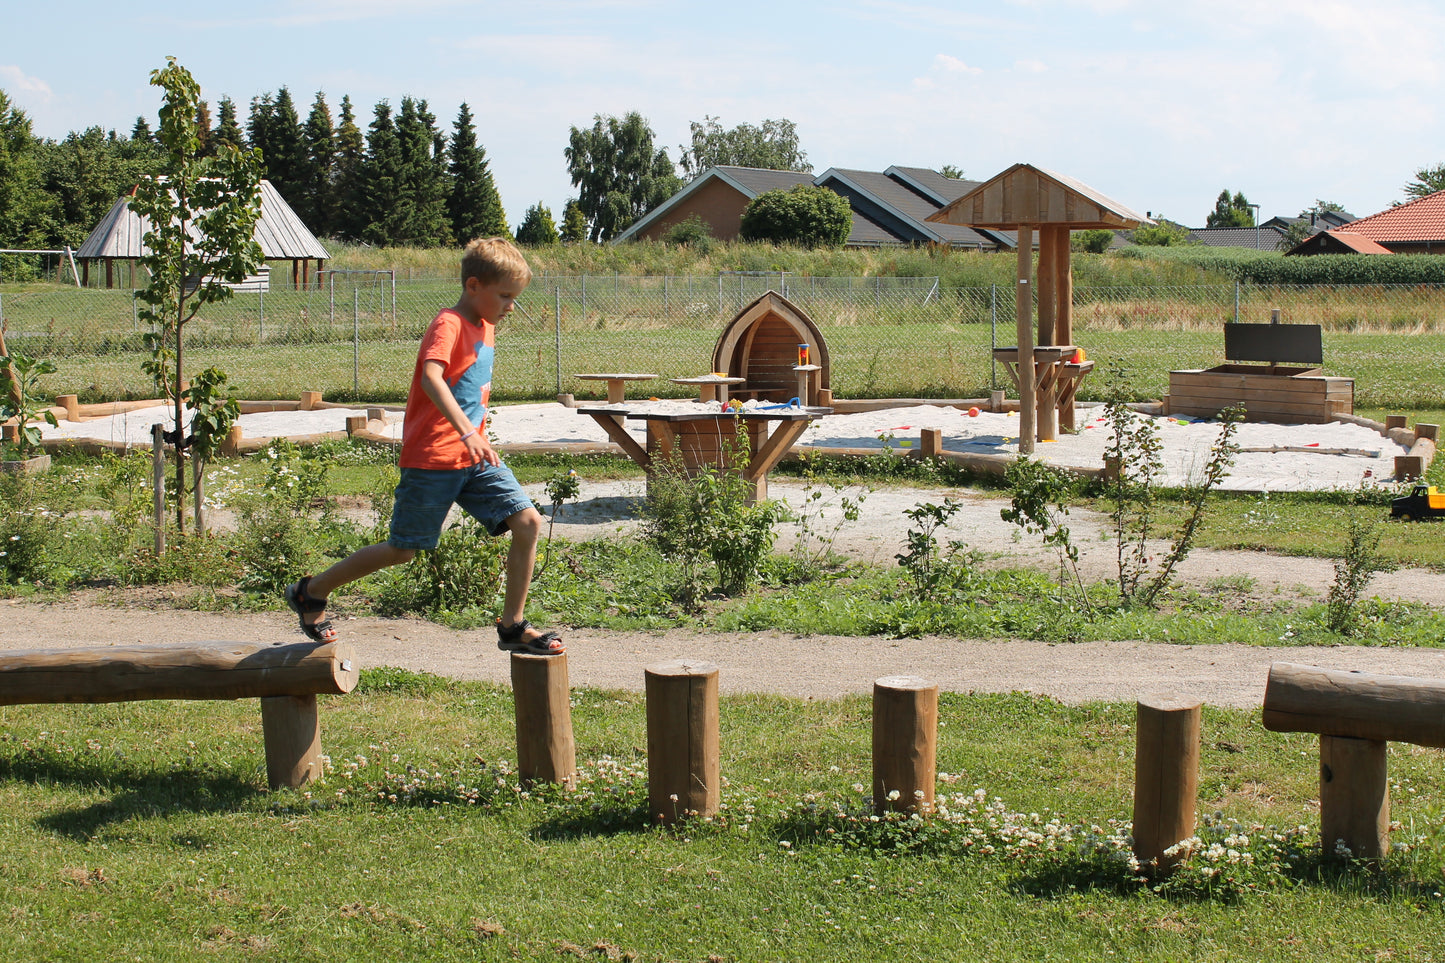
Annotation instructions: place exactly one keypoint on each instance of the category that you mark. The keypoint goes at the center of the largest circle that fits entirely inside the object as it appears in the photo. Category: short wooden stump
(683, 777)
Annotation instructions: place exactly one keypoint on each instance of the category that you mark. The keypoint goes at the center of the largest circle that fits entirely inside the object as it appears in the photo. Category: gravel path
(810, 666)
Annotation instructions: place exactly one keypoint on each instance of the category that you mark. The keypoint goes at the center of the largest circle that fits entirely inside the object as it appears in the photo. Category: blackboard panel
(1273, 342)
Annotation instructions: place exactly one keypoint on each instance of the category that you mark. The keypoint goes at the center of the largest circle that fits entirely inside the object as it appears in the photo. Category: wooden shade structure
(1027, 199)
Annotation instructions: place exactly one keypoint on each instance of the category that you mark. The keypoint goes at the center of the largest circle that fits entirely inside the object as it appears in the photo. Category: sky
(1159, 104)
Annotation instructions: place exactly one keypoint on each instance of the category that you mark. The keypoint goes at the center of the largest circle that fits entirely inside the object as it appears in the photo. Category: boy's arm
(435, 386)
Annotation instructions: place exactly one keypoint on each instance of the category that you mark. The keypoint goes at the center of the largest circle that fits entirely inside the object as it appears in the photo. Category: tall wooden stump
(546, 751)
(1354, 796)
(905, 744)
(1166, 775)
(683, 776)
(293, 740)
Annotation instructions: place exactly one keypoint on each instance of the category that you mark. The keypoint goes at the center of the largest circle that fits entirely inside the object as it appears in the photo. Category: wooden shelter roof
(1028, 195)
(281, 234)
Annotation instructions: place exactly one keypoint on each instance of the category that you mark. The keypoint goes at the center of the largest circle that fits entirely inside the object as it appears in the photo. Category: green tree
(802, 214)
(473, 204)
(1427, 181)
(316, 200)
(228, 130)
(1163, 234)
(423, 221)
(141, 131)
(1230, 211)
(537, 226)
(618, 173)
(21, 202)
(83, 175)
(574, 222)
(352, 212)
(203, 129)
(1322, 207)
(773, 146)
(1093, 242)
(284, 154)
(202, 214)
(379, 200)
(952, 172)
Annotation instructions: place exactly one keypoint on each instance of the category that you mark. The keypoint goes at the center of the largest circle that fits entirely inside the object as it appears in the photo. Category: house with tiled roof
(1337, 242)
(1261, 238)
(1417, 227)
(889, 207)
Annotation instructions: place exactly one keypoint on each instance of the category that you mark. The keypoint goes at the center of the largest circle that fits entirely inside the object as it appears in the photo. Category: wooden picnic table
(616, 383)
(711, 387)
(707, 437)
(1056, 381)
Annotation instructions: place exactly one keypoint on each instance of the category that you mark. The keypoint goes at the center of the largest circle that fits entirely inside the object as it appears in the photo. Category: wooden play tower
(1029, 199)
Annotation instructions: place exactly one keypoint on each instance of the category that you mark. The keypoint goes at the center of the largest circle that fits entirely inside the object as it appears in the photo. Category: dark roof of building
(1261, 238)
(1422, 219)
(279, 231)
(891, 202)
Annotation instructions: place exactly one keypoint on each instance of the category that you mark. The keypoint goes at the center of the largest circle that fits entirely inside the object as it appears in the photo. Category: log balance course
(286, 678)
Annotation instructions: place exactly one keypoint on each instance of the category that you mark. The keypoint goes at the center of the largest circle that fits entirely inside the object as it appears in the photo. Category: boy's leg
(526, 528)
(358, 564)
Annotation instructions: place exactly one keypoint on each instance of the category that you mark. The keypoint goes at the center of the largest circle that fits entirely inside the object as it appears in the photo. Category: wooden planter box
(1273, 393)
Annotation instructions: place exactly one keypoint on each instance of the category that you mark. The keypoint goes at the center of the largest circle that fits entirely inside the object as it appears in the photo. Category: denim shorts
(488, 493)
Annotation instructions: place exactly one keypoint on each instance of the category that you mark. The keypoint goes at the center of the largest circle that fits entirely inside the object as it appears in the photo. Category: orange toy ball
(973, 412)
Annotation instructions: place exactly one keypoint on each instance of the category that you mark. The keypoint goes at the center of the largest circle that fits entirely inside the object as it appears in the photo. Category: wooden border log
(905, 744)
(683, 753)
(1354, 796)
(1166, 775)
(1357, 705)
(546, 749)
(203, 670)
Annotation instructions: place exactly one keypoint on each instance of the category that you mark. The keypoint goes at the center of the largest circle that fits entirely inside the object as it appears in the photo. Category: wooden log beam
(1166, 776)
(202, 670)
(1356, 705)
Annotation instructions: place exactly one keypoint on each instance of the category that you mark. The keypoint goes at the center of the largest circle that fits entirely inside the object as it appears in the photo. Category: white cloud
(14, 79)
(952, 65)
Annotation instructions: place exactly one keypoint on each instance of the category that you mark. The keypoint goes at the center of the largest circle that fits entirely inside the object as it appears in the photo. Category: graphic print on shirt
(473, 387)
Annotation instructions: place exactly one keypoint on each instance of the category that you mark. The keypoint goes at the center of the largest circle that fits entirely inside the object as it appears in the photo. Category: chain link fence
(354, 336)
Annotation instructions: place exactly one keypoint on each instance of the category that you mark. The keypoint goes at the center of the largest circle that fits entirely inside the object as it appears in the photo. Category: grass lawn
(142, 831)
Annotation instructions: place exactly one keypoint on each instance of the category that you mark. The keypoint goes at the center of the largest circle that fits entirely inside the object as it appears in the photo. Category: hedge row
(1269, 267)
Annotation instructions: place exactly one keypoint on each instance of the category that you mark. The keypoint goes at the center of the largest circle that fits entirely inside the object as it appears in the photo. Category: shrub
(693, 232)
(802, 214)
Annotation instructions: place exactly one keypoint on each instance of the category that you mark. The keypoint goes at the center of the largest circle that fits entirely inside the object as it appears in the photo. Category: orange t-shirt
(428, 440)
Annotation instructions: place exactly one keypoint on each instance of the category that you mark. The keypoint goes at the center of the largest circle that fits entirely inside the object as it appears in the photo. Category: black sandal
(511, 638)
(304, 605)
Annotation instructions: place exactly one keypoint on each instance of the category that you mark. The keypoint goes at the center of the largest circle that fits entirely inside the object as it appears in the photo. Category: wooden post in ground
(71, 404)
(1023, 315)
(158, 485)
(1354, 796)
(292, 732)
(310, 400)
(930, 442)
(1166, 775)
(355, 423)
(546, 750)
(905, 744)
(683, 777)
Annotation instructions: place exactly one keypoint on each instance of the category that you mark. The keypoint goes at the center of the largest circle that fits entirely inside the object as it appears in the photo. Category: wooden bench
(1355, 715)
(286, 678)
(760, 345)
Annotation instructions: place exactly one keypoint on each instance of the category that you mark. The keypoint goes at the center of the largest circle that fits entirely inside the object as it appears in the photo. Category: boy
(446, 459)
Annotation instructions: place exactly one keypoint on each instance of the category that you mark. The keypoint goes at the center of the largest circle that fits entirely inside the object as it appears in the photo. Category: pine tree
(285, 153)
(258, 130)
(381, 196)
(228, 131)
(574, 222)
(351, 215)
(207, 147)
(141, 131)
(421, 218)
(537, 226)
(474, 206)
(316, 202)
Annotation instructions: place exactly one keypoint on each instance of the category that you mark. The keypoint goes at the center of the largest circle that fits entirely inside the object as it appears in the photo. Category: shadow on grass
(604, 819)
(135, 793)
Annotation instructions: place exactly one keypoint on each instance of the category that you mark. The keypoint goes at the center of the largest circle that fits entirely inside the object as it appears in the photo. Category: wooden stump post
(546, 750)
(1354, 796)
(71, 404)
(905, 744)
(293, 740)
(1166, 775)
(930, 442)
(310, 400)
(355, 423)
(683, 753)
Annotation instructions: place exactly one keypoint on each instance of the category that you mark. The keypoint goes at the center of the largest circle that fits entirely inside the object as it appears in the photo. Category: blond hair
(494, 259)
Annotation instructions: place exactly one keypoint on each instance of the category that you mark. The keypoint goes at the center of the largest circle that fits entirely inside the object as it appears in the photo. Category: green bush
(802, 214)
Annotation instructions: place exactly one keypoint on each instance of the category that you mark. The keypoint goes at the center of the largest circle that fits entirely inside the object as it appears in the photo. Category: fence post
(1236, 302)
(992, 335)
(584, 299)
(557, 323)
(356, 341)
(261, 314)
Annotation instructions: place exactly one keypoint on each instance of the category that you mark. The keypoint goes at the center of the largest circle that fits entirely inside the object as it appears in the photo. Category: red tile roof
(1356, 243)
(1423, 219)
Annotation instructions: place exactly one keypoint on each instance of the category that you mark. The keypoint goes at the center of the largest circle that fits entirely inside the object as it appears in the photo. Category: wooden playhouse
(1272, 370)
(761, 345)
